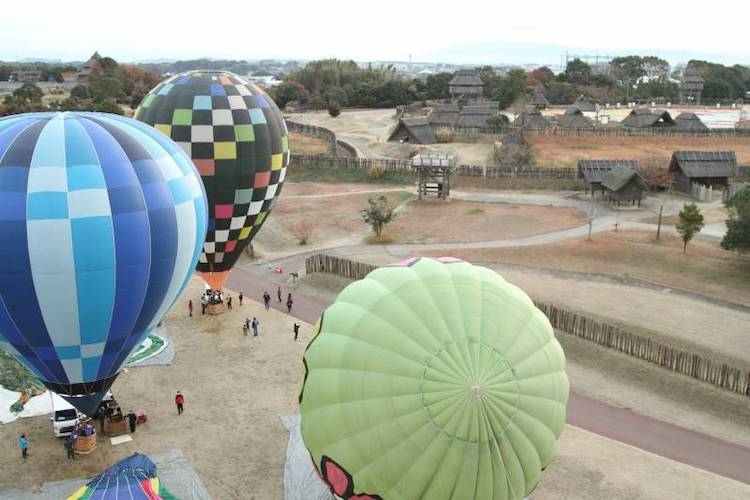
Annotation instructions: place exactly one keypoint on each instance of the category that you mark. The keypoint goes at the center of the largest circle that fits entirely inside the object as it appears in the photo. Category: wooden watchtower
(434, 174)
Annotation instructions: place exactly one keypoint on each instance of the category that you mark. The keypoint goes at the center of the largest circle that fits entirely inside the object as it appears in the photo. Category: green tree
(25, 99)
(334, 109)
(290, 91)
(690, 223)
(29, 92)
(108, 106)
(738, 225)
(434, 86)
(577, 71)
(80, 91)
(106, 87)
(379, 213)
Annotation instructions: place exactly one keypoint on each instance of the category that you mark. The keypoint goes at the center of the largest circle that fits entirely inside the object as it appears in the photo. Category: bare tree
(519, 106)
(302, 230)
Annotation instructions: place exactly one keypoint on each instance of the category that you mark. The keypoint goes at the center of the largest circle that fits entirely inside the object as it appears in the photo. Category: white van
(64, 416)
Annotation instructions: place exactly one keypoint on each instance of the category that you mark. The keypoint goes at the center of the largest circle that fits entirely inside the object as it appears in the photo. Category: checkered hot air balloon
(237, 138)
(102, 221)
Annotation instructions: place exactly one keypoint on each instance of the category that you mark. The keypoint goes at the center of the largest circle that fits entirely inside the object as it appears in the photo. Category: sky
(433, 31)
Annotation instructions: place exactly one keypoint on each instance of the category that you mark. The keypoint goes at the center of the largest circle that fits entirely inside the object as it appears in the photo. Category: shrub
(375, 171)
(443, 136)
(302, 231)
(334, 109)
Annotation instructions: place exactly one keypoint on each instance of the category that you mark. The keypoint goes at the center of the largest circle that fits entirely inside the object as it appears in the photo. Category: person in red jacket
(179, 400)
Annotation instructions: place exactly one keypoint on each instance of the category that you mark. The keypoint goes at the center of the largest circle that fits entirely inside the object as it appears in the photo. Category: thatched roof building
(467, 84)
(689, 121)
(691, 86)
(593, 172)
(709, 168)
(444, 114)
(493, 105)
(573, 118)
(539, 101)
(644, 118)
(623, 183)
(474, 116)
(414, 130)
(531, 118)
(584, 105)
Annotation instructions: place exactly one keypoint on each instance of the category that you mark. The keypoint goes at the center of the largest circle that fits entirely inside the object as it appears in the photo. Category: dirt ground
(332, 219)
(611, 376)
(430, 221)
(235, 390)
(591, 467)
(566, 151)
(706, 268)
(300, 144)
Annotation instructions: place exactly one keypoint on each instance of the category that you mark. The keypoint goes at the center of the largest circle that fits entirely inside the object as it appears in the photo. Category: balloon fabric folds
(238, 140)
(433, 379)
(102, 221)
(132, 478)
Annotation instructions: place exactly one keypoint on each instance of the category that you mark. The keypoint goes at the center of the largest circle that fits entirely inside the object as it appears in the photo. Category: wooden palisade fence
(694, 365)
(715, 133)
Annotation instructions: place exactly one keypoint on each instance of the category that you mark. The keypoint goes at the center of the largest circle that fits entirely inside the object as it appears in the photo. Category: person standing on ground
(278, 292)
(244, 329)
(204, 303)
(240, 297)
(132, 420)
(255, 323)
(267, 300)
(296, 331)
(23, 443)
(229, 303)
(69, 447)
(179, 400)
(289, 303)
(190, 307)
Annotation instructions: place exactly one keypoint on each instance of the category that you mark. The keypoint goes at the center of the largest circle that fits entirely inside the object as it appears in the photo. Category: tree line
(108, 87)
(320, 84)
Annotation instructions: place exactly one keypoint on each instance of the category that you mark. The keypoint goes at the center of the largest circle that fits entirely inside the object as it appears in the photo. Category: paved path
(655, 436)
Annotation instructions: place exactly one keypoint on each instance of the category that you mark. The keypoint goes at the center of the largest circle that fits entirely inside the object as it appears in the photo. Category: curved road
(655, 436)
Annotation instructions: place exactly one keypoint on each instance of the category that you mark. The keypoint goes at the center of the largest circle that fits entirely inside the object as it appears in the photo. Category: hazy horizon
(396, 31)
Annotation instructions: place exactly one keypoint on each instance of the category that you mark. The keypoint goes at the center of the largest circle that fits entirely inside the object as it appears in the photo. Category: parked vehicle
(64, 416)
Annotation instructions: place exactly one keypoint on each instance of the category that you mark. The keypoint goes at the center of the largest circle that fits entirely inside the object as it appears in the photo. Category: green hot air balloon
(433, 379)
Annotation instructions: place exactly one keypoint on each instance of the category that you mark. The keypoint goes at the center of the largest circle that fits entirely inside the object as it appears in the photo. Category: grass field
(706, 268)
(566, 151)
(327, 174)
(300, 144)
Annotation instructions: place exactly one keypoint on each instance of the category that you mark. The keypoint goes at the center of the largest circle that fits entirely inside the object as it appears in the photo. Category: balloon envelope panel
(433, 379)
(238, 140)
(102, 221)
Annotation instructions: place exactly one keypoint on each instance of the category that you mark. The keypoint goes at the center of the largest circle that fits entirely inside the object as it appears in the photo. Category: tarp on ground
(163, 357)
(175, 473)
(301, 482)
(38, 405)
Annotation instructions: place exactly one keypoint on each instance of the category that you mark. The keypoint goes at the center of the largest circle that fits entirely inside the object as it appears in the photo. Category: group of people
(247, 325)
(267, 300)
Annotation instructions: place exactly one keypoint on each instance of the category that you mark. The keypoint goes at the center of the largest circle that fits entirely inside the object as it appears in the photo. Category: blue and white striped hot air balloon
(102, 221)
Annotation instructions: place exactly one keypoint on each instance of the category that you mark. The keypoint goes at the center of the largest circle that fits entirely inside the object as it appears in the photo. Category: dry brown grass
(706, 268)
(305, 145)
(431, 221)
(566, 151)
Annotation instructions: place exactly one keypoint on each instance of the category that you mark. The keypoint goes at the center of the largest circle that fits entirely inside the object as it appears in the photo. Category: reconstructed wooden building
(573, 118)
(691, 86)
(623, 184)
(414, 130)
(690, 121)
(708, 168)
(531, 118)
(593, 172)
(434, 174)
(466, 84)
(644, 118)
(539, 101)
